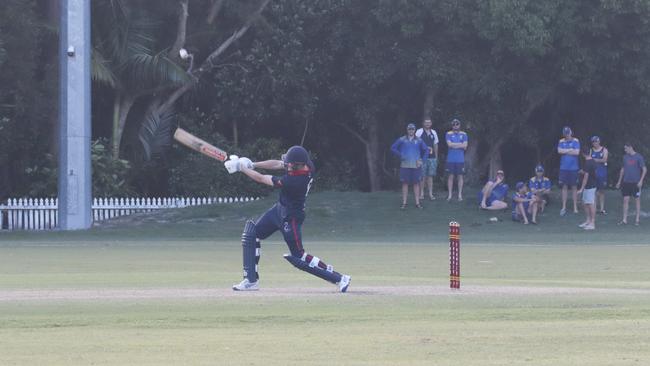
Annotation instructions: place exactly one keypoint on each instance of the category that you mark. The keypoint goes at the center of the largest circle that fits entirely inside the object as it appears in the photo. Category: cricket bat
(199, 145)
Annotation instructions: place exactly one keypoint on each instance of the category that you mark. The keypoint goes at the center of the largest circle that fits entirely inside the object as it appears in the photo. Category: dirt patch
(45, 295)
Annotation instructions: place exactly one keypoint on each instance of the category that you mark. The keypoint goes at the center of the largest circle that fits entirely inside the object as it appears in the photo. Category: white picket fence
(42, 213)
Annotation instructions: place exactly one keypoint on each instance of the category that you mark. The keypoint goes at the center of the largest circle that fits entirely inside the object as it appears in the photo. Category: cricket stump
(454, 255)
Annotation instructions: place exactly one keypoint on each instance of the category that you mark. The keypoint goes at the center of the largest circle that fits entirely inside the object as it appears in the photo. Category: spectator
(599, 155)
(588, 191)
(411, 151)
(632, 175)
(493, 194)
(525, 203)
(429, 165)
(455, 166)
(540, 186)
(569, 149)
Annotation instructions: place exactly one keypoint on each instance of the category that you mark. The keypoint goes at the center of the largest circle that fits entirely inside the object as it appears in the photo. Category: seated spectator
(540, 186)
(493, 194)
(525, 205)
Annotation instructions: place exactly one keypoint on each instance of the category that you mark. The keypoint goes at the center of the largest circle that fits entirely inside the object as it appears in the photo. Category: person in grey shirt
(632, 175)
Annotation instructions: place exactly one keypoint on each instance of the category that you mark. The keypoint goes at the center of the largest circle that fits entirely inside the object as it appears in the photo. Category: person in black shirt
(287, 215)
(588, 191)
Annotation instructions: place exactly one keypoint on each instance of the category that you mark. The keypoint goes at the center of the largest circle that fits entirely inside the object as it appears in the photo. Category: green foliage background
(342, 77)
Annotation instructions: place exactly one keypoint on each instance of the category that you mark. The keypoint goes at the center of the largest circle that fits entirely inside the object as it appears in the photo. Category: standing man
(455, 165)
(429, 165)
(632, 175)
(540, 186)
(588, 191)
(599, 155)
(412, 152)
(569, 150)
(286, 215)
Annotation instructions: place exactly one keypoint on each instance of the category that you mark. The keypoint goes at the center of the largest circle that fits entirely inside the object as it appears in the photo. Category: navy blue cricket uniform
(288, 213)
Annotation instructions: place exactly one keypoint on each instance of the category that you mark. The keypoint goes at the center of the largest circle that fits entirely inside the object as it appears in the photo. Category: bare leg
(592, 213)
(405, 192)
(460, 187)
(574, 195)
(416, 193)
(421, 190)
(450, 186)
(533, 208)
(522, 212)
(601, 199)
(626, 206)
(564, 197)
(638, 209)
(430, 184)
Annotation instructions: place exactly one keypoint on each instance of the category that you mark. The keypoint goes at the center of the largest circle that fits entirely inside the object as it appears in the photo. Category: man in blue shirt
(632, 174)
(455, 165)
(525, 205)
(569, 149)
(412, 152)
(287, 216)
(492, 196)
(540, 186)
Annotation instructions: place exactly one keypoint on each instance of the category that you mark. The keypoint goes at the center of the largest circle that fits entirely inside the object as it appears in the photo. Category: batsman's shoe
(344, 283)
(246, 285)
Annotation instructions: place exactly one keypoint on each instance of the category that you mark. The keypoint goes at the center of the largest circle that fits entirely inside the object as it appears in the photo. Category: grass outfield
(532, 295)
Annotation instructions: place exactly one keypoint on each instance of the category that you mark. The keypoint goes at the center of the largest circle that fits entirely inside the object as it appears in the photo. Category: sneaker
(589, 227)
(246, 285)
(432, 198)
(563, 212)
(583, 225)
(344, 283)
(417, 205)
(602, 212)
(403, 206)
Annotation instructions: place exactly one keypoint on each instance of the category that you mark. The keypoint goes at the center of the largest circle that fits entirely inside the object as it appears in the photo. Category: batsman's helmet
(298, 155)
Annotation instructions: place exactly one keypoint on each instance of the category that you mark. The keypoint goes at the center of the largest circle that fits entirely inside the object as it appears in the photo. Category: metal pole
(75, 180)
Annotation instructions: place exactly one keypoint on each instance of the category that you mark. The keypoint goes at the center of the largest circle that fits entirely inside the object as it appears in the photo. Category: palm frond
(156, 132)
(100, 69)
(146, 71)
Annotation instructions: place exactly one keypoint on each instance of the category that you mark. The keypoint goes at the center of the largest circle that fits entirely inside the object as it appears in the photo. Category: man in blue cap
(412, 151)
(540, 186)
(455, 166)
(569, 149)
(287, 215)
(525, 205)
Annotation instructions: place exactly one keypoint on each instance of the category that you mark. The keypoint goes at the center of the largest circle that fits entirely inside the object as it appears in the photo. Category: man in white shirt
(430, 165)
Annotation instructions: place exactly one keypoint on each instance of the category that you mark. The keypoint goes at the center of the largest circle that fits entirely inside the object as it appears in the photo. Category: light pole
(75, 179)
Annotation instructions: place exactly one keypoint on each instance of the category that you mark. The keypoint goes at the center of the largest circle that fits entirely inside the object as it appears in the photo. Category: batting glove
(232, 165)
(245, 163)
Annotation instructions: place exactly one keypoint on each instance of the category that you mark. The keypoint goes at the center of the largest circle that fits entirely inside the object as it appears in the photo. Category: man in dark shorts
(569, 149)
(287, 215)
(412, 152)
(632, 175)
(525, 205)
(455, 165)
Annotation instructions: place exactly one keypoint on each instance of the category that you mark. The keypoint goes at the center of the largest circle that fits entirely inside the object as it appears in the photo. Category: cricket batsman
(287, 215)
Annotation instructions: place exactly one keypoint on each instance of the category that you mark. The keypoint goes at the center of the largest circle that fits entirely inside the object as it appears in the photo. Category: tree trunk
(121, 108)
(473, 166)
(372, 155)
(235, 133)
(428, 104)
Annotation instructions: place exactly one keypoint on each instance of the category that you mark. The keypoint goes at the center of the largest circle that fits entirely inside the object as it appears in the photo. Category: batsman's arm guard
(251, 248)
(310, 264)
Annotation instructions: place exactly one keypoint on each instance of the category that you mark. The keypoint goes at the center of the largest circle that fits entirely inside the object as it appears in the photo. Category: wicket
(454, 255)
